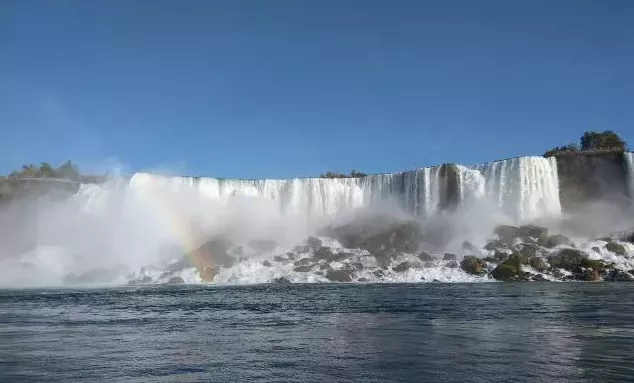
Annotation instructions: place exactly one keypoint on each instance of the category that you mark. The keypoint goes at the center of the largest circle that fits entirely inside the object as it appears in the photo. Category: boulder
(266, 263)
(282, 280)
(303, 269)
(280, 259)
(538, 264)
(616, 248)
(208, 273)
(425, 257)
(175, 281)
(532, 231)
(473, 265)
(506, 271)
(323, 253)
(303, 262)
(620, 276)
(379, 274)
(314, 243)
(449, 257)
(395, 237)
(339, 275)
(556, 240)
(506, 233)
(401, 267)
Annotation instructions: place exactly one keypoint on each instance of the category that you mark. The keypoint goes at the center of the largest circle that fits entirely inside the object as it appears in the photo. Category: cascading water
(524, 188)
(629, 163)
(131, 222)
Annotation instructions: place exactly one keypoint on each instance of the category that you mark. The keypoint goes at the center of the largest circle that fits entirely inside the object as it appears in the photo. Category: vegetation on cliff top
(591, 141)
(353, 174)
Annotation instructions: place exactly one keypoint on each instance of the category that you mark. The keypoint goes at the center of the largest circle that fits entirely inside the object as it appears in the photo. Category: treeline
(66, 171)
(591, 141)
(353, 174)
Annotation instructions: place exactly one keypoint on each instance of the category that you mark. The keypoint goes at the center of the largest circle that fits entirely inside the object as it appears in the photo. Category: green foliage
(67, 171)
(592, 141)
(602, 140)
(570, 148)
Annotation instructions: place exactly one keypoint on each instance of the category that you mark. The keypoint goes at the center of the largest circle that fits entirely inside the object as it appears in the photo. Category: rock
(490, 260)
(323, 253)
(214, 252)
(473, 265)
(591, 275)
(506, 233)
(401, 267)
(537, 263)
(280, 259)
(449, 257)
(539, 278)
(303, 262)
(532, 231)
(362, 280)
(556, 240)
(394, 237)
(500, 256)
(496, 245)
(506, 271)
(314, 243)
(629, 238)
(452, 264)
(291, 256)
(379, 274)
(175, 281)
(616, 248)
(596, 249)
(339, 275)
(266, 263)
(302, 269)
(425, 257)
(300, 249)
(282, 280)
(356, 266)
(567, 259)
(619, 276)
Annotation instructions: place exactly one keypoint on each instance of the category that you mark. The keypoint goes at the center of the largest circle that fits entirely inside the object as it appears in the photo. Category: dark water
(531, 332)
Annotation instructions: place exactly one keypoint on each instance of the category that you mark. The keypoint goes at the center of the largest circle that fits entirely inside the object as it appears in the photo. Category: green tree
(606, 140)
(570, 148)
(46, 170)
(67, 171)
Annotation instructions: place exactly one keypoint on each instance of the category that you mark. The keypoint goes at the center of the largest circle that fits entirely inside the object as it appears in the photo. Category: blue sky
(284, 88)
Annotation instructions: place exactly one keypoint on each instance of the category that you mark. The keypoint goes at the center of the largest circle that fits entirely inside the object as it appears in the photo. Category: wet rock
(379, 274)
(591, 275)
(356, 266)
(323, 253)
(214, 252)
(616, 248)
(302, 269)
(596, 249)
(496, 245)
(280, 259)
(539, 278)
(491, 260)
(567, 259)
(175, 281)
(538, 264)
(532, 231)
(452, 264)
(303, 262)
(362, 280)
(339, 275)
(146, 279)
(282, 280)
(314, 243)
(556, 240)
(425, 257)
(266, 263)
(301, 249)
(620, 276)
(291, 256)
(401, 267)
(473, 265)
(382, 237)
(449, 257)
(507, 271)
(506, 233)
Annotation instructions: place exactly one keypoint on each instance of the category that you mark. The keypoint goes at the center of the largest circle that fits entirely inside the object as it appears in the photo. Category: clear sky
(283, 88)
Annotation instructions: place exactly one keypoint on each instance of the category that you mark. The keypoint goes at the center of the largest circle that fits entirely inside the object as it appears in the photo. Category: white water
(129, 223)
(629, 162)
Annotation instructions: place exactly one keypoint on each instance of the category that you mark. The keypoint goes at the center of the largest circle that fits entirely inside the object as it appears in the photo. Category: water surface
(493, 332)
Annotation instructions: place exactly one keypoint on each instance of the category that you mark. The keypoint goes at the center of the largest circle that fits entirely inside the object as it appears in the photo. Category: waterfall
(629, 164)
(524, 188)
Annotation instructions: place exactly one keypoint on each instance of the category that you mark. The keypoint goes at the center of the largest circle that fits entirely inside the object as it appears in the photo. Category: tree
(570, 148)
(67, 171)
(606, 140)
(46, 170)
